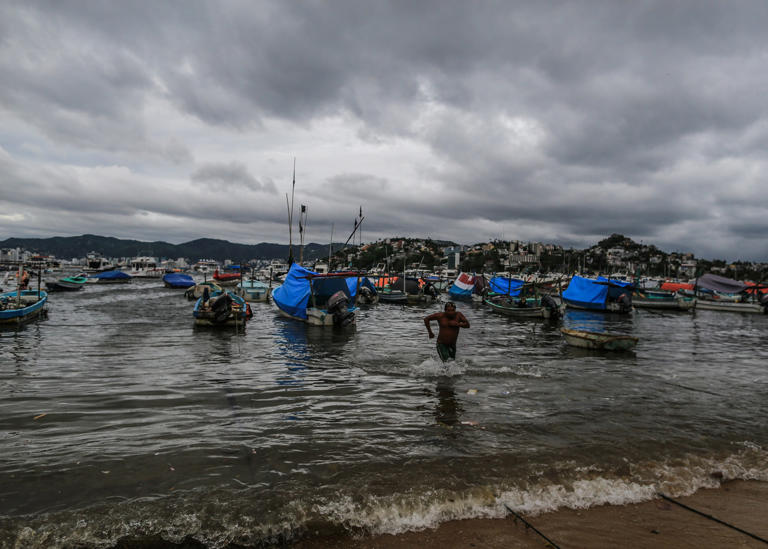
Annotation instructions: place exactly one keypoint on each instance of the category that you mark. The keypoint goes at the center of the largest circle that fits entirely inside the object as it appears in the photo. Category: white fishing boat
(598, 340)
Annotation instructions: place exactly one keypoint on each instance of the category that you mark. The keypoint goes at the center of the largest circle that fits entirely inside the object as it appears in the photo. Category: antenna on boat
(290, 215)
(330, 248)
(302, 227)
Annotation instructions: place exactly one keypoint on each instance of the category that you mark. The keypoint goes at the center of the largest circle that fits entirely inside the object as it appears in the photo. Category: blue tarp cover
(506, 286)
(111, 275)
(364, 281)
(179, 280)
(617, 288)
(293, 296)
(585, 292)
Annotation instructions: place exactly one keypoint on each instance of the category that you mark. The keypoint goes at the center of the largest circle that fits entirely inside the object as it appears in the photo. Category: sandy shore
(653, 524)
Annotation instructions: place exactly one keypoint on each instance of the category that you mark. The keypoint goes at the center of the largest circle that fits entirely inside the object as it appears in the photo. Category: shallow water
(153, 427)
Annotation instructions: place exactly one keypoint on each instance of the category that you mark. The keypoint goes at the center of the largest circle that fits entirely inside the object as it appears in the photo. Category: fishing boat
(110, 277)
(662, 299)
(254, 291)
(22, 306)
(197, 291)
(226, 279)
(598, 340)
(178, 280)
(544, 306)
(601, 294)
(222, 310)
(67, 284)
(718, 293)
(145, 267)
(319, 299)
(390, 291)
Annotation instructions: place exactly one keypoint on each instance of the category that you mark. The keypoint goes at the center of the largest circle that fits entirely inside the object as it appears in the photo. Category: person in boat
(449, 322)
(24, 284)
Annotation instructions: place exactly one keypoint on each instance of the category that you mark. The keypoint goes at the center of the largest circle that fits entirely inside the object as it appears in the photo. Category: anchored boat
(67, 284)
(598, 340)
(22, 306)
(319, 299)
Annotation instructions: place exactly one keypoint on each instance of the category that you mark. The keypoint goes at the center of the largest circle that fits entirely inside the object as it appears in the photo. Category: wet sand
(654, 524)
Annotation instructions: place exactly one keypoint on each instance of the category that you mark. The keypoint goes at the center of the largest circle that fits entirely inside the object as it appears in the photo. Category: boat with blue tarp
(319, 299)
(600, 294)
(178, 280)
(110, 277)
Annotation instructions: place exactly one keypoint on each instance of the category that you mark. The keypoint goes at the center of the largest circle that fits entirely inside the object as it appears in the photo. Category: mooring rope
(710, 517)
(532, 527)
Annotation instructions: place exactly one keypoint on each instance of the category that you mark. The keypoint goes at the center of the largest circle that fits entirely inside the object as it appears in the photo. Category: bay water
(121, 421)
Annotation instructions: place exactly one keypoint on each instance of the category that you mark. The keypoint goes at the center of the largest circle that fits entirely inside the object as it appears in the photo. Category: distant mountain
(67, 247)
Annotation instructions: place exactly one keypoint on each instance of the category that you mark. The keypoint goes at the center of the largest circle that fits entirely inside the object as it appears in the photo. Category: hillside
(209, 248)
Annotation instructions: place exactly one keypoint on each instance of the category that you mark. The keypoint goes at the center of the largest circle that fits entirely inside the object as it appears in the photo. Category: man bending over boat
(449, 323)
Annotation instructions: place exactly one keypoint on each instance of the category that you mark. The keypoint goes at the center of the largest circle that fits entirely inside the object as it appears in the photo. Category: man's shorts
(446, 351)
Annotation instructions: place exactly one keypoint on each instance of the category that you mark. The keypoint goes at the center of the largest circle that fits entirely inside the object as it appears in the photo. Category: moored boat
(319, 299)
(598, 340)
(226, 279)
(110, 277)
(533, 307)
(67, 284)
(601, 294)
(22, 306)
(178, 280)
(718, 293)
(197, 291)
(222, 310)
(662, 299)
(253, 290)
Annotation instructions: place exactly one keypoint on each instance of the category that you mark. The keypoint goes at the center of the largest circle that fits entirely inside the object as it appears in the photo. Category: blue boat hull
(32, 307)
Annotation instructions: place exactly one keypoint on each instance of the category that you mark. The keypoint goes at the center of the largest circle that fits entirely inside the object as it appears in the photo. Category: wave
(219, 518)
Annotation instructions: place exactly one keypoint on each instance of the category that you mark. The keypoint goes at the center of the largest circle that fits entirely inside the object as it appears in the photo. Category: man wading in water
(449, 323)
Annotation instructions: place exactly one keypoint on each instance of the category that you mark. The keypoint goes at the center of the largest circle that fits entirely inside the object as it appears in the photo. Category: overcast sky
(554, 121)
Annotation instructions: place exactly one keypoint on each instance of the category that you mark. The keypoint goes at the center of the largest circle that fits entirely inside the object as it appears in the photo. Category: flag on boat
(463, 286)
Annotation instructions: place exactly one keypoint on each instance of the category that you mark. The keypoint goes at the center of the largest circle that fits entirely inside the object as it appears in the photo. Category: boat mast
(290, 215)
(330, 248)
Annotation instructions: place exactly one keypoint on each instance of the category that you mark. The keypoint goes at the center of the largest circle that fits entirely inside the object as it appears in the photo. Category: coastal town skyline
(454, 121)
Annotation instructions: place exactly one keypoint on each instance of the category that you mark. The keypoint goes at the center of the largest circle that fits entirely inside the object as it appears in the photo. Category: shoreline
(650, 524)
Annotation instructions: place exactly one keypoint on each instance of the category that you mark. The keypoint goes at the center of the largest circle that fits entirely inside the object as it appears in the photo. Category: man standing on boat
(449, 323)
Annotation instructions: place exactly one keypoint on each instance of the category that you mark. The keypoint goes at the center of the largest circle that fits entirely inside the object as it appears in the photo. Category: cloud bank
(560, 122)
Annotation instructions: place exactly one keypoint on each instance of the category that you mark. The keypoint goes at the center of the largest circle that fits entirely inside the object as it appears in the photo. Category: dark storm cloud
(556, 120)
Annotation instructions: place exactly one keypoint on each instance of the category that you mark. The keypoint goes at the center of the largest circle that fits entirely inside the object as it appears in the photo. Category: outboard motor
(430, 289)
(337, 306)
(551, 305)
(221, 308)
(366, 294)
(625, 302)
(764, 303)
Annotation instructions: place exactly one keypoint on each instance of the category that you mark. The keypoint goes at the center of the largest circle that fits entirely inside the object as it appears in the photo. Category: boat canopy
(587, 293)
(293, 296)
(720, 284)
(506, 286)
(112, 275)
